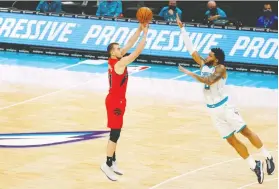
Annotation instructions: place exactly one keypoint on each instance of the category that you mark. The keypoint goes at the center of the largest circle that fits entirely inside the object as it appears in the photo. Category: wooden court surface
(161, 139)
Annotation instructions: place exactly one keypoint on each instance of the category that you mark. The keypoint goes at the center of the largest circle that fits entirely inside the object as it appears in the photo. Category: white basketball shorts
(226, 119)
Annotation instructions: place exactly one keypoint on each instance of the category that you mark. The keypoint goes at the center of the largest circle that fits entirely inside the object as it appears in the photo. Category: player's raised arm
(188, 43)
(132, 40)
(129, 59)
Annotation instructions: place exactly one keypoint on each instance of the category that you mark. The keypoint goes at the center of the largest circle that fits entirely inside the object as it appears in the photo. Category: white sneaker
(115, 168)
(108, 171)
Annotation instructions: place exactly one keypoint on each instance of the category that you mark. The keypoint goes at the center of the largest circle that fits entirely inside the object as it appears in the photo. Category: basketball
(144, 15)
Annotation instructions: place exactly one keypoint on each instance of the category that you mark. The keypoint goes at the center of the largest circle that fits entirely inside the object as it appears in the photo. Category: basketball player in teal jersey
(226, 119)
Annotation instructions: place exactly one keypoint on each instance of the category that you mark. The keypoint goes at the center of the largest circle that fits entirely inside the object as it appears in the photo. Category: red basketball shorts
(115, 112)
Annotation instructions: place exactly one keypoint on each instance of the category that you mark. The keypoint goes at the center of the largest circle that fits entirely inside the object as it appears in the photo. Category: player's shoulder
(178, 10)
(261, 18)
(221, 68)
(164, 8)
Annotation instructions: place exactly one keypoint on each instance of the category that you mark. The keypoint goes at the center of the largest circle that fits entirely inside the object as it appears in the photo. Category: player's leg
(240, 126)
(114, 136)
(111, 147)
(256, 141)
(227, 132)
(236, 122)
(115, 121)
(256, 166)
(111, 151)
(119, 112)
(107, 167)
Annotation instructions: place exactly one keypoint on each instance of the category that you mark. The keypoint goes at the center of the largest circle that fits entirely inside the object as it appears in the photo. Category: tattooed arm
(220, 72)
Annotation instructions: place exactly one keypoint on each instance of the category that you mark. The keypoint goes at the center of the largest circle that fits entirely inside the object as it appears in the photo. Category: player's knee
(114, 135)
(246, 132)
(232, 140)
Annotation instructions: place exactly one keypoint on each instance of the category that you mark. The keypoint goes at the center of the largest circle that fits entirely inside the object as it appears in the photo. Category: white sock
(251, 162)
(265, 152)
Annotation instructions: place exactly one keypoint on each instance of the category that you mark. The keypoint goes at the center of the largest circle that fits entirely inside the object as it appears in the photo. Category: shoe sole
(271, 172)
(107, 175)
(118, 173)
(262, 173)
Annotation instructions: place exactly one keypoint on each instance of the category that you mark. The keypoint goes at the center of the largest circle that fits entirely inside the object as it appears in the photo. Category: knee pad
(114, 135)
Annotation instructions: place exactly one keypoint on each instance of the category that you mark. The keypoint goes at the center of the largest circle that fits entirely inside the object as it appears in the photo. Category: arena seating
(191, 11)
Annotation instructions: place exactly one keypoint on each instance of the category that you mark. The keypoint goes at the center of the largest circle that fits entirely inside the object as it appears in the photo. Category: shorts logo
(29, 140)
(117, 111)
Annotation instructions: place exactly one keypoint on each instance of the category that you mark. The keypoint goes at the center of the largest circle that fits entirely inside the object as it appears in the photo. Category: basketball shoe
(108, 172)
(115, 168)
(259, 171)
(270, 166)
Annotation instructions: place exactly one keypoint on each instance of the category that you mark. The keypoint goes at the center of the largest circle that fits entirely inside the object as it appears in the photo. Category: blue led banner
(163, 40)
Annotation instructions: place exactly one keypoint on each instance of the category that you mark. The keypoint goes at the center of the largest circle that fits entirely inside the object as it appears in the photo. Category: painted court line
(66, 67)
(197, 170)
(47, 94)
(184, 75)
(267, 180)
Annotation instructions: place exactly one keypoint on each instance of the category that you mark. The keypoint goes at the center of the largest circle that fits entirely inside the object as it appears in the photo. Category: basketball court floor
(55, 137)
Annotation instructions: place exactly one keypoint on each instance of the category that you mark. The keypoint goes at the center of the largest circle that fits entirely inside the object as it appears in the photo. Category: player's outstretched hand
(178, 21)
(184, 70)
(143, 25)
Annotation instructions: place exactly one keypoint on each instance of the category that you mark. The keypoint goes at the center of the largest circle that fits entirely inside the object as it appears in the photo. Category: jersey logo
(124, 79)
(29, 140)
(117, 111)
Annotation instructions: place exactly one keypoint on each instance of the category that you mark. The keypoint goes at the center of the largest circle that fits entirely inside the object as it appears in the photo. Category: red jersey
(117, 83)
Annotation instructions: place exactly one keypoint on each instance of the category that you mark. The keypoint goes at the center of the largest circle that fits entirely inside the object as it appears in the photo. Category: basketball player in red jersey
(116, 99)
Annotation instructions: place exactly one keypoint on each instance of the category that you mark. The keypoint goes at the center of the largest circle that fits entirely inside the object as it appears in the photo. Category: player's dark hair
(219, 54)
(110, 47)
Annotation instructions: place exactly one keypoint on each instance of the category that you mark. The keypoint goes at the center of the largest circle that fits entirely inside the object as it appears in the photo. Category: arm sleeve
(187, 41)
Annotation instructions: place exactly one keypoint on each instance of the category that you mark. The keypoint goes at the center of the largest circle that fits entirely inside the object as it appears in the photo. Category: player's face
(267, 7)
(116, 51)
(172, 3)
(211, 59)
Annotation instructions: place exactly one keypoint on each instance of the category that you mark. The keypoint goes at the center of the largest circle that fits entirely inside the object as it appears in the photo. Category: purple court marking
(76, 136)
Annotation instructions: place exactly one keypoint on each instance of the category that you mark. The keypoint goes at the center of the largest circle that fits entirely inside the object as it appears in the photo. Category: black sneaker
(259, 171)
(270, 166)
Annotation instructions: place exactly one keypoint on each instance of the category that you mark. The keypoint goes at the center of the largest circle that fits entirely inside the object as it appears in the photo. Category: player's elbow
(132, 57)
(127, 60)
